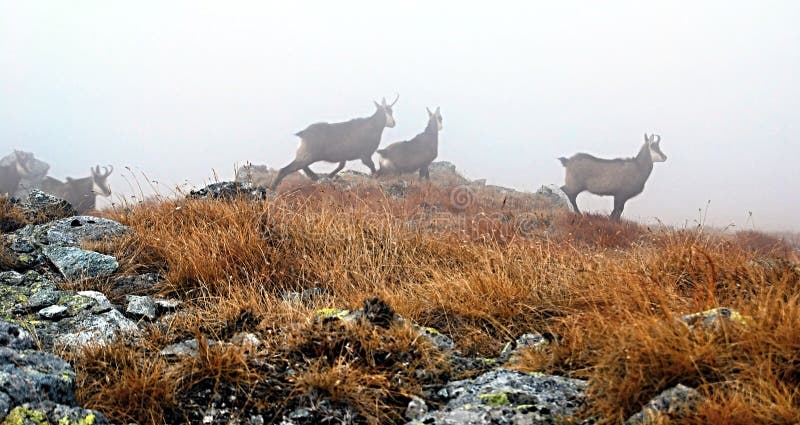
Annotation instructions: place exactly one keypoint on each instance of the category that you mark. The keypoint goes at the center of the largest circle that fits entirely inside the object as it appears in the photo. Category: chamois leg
(424, 173)
(368, 162)
(573, 199)
(336, 171)
(285, 171)
(310, 173)
(619, 205)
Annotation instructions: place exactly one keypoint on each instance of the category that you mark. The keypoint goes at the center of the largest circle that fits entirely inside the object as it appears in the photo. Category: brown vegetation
(482, 273)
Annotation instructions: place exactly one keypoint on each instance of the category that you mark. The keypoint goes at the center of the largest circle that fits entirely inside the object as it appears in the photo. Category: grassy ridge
(482, 272)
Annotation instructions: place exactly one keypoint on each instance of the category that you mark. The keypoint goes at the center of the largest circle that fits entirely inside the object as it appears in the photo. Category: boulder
(230, 190)
(72, 231)
(41, 207)
(506, 396)
(555, 196)
(75, 263)
(673, 403)
(140, 307)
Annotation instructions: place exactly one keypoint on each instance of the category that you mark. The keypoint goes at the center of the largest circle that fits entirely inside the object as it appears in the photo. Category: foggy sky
(177, 89)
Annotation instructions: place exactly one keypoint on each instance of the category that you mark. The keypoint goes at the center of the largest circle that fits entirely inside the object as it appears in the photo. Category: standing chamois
(621, 178)
(340, 142)
(11, 174)
(81, 193)
(415, 154)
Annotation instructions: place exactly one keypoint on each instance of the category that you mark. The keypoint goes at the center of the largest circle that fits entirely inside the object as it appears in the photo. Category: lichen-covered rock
(73, 231)
(54, 312)
(712, 319)
(11, 278)
(37, 387)
(88, 328)
(508, 397)
(44, 298)
(230, 190)
(673, 403)
(75, 263)
(141, 307)
(14, 337)
(416, 408)
(40, 207)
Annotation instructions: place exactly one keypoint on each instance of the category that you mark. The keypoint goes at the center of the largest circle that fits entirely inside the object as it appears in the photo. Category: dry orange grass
(482, 272)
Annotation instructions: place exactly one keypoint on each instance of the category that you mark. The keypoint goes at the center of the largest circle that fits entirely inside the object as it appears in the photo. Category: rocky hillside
(362, 301)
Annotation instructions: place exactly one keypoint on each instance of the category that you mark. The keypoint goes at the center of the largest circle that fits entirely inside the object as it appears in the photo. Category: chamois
(340, 142)
(621, 178)
(80, 193)
(11, 174)
(415, 154)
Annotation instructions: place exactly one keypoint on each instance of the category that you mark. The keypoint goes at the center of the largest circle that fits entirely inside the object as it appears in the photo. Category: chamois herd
(359, 139)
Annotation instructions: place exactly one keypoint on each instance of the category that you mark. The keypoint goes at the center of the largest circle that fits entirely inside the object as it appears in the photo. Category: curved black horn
(658, 138)
(395, 99)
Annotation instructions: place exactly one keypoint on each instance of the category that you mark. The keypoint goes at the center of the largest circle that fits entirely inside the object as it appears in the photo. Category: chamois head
(99, 181)
(23, 162)
(437, 115)
(387, 109)
(653, 142)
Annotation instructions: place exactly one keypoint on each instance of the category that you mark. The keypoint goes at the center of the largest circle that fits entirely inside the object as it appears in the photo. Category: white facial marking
(439, 121)
(656, 157)
(98, 190)
(20, 169)
(389, 119)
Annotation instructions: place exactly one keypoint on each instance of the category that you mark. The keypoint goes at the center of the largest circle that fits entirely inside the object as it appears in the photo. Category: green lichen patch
(497, 399)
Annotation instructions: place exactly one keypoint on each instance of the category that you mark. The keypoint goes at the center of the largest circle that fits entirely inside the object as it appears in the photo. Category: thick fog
(182, 89)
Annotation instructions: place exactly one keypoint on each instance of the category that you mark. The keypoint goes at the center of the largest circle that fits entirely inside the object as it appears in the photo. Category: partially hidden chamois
(415, 154)
(622, 178)
(81, 193)
(340, 142)
(11, 174)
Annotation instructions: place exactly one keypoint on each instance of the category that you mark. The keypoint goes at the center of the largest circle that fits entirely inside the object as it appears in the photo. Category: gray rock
(75, 263)
(553, 193)
(186, 348)
(439, 340)
(164, 306)
(527, 341)
(230, 190)
(508, 397)
(304, 296)
(37, 387)
(41, 206)
(22, 245)
(246, 339)
(135, 284)
(11, 278)
(713, 318)
(674, 403)
(43, 298)
(416, 408)
(14, 337)
(397, 190)
(73, 231)
(94, 329)
(141, 307)
(54, 312)
(103, 304)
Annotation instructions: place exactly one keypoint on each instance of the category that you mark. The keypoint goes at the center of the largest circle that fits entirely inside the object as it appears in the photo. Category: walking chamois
(11, 174)
(415, 154)
(340, 142)
(81, 193)
(621, 178)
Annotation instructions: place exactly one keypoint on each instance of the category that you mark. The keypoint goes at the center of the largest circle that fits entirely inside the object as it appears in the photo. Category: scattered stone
(43, 298)
(246, 339)
(22, 245)
(555, 196)
(75, 263)
(230, 190)
(103, 304)
(90, 328)
(506, 396)
(416, 408)
(397, 190)
(305, 296)
(712, 319)
(141, 307)
(14, 337)
(189, 348)
(54, 312)
(439, 340)
(11, 278)
(135, 284)
(533, 341)
(164, 306)
(674, 403)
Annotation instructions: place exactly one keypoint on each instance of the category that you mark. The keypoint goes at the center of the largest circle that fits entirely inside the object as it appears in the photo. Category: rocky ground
(41, 317)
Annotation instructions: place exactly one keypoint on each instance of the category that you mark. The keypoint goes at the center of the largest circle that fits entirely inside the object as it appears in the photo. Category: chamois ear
(646, 138)
(437, 111)
(377, 105)
(383, 101)
(429, 111)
